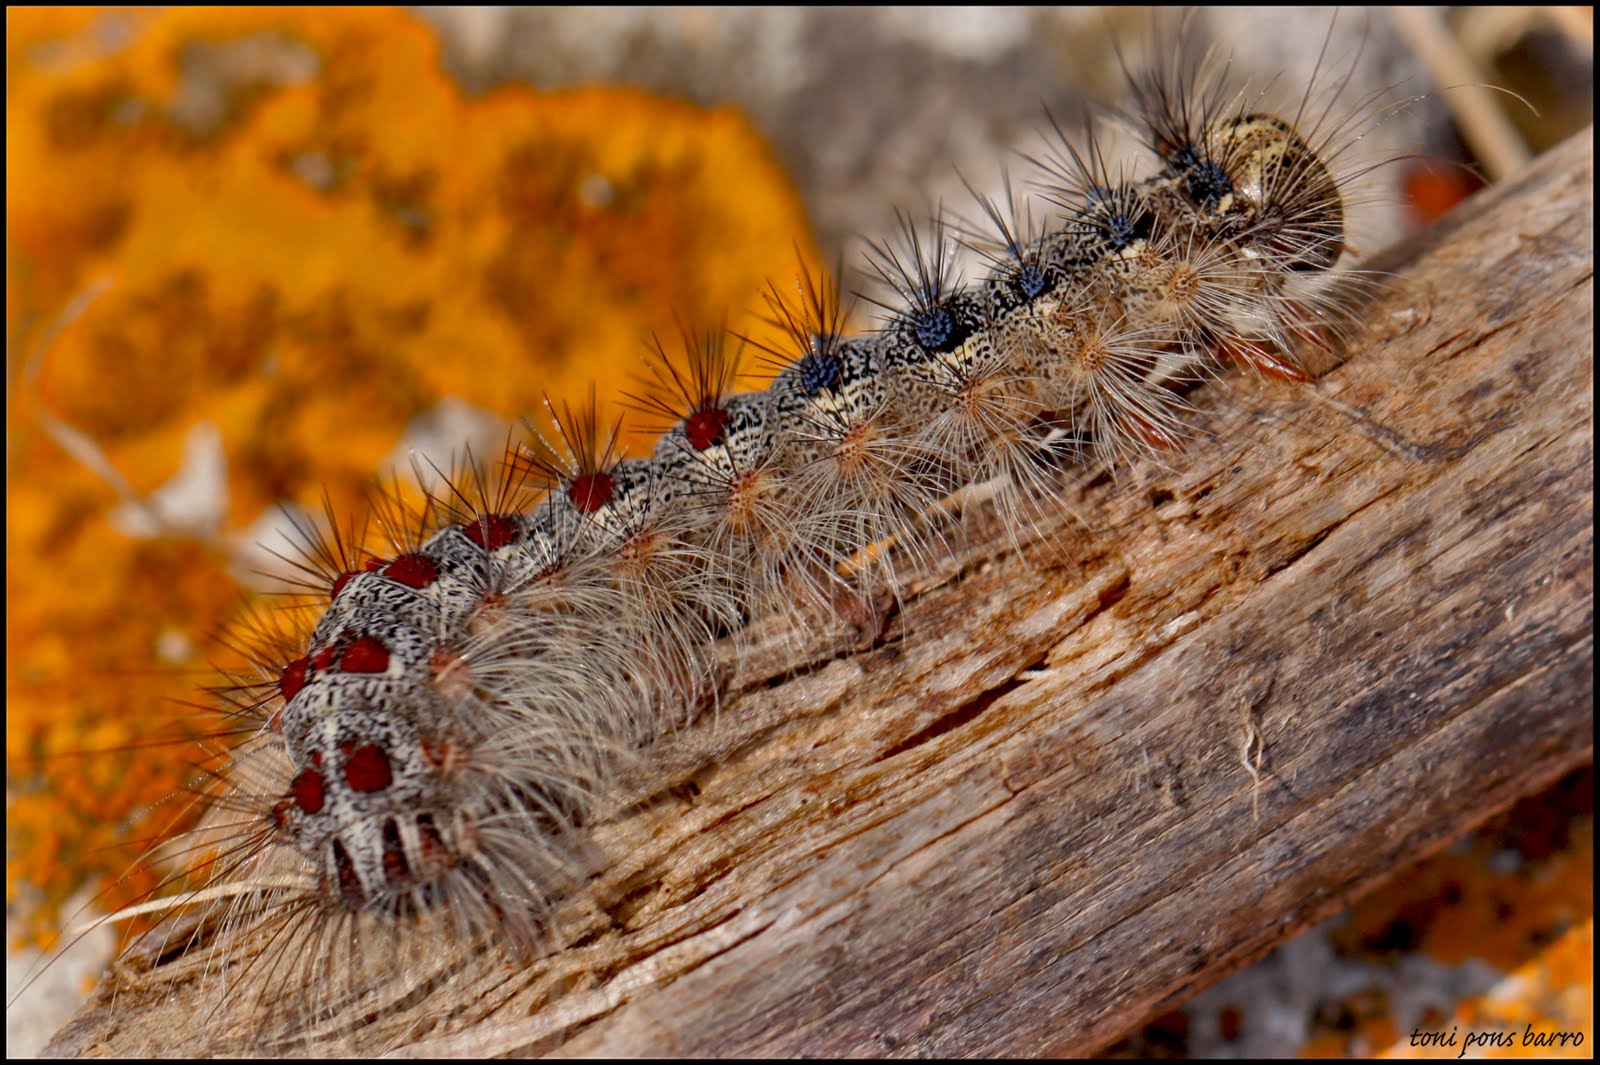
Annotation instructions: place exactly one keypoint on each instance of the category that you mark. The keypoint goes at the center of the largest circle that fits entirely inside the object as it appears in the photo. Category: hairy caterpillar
(1138, 282)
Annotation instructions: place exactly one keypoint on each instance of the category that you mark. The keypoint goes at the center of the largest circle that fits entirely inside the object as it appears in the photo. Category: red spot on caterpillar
(413, 571)
(307, 789)
(367, 769)
(324, 658)
(316, 758)
(491, 531)
(339, 582)
(365, 655)
(704, 427)
(375, 564)
(590, 491)
(292, 679)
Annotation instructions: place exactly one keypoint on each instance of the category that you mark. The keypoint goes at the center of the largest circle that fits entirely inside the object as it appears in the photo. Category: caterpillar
(422, 765)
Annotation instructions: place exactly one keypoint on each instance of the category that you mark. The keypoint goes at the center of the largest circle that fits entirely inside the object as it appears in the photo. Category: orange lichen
(1545, 1008)
(1519, 897)
(291, 224)
(1453, 909)
(1390, 975)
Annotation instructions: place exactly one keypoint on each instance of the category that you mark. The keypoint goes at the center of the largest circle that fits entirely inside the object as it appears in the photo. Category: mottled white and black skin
(463, 703)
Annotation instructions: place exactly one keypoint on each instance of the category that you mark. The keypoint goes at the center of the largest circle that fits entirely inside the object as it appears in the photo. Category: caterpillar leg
(1260, 358)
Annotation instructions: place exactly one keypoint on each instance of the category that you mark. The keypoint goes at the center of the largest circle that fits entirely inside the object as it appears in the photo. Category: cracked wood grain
(1206, 706)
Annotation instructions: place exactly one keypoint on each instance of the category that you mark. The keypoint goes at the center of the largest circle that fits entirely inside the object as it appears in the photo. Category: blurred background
(253, 256)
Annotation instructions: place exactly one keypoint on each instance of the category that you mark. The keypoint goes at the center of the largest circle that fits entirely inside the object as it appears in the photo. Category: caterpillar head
(1257, 176)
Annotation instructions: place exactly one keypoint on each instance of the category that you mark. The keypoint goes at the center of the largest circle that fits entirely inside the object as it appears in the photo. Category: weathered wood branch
(1207, 707)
